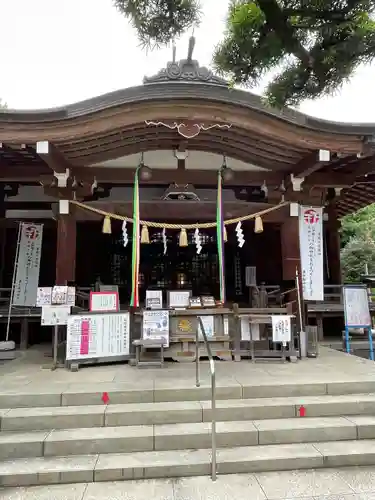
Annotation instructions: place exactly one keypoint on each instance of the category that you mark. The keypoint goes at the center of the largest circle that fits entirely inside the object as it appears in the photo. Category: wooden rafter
(308, 165)
(53, 157)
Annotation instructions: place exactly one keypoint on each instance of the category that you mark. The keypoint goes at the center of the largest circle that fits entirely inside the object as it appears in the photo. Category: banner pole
(303, 341)
(20, 224)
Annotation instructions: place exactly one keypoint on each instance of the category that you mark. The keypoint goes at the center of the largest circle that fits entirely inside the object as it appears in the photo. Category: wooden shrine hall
(183, 124)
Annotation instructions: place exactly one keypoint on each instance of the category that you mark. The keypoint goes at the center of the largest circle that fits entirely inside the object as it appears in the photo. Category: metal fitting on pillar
(63, 207)
(296, 182)
(62, 178)
(324, 155)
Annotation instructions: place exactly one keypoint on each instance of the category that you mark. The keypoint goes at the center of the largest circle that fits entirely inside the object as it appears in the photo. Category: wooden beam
(362, 167)
(53, 157)
(169, 176)
(308, 165)
(35, 173)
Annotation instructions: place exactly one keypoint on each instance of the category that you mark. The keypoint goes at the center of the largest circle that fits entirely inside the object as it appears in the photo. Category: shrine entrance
(179, 267)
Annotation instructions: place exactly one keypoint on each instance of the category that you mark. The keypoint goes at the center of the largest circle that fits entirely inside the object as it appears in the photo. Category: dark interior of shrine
(103, 257)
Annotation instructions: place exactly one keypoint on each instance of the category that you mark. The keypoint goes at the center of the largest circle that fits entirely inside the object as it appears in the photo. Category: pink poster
(85, 332)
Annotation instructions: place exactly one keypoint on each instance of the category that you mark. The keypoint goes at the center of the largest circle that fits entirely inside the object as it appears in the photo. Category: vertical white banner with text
(28, 265)
(311, 248)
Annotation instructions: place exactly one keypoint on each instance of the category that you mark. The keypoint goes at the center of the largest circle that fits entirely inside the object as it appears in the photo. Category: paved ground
(328, 484)
(27, 373)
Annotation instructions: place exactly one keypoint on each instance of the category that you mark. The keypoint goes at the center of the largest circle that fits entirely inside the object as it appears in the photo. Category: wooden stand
(142, 345)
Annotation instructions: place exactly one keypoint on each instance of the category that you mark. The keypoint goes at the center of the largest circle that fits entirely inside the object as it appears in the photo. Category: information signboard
(249, 331)
(281, 329)
(357, 313)
(154, 299)
(208, 325)
(155, 326)
(55, 315)
(104, 302)
(93, 336)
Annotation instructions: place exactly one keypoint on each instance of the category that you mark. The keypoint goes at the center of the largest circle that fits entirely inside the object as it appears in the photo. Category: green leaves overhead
(311, 47)
(358, 242)
(158, 22)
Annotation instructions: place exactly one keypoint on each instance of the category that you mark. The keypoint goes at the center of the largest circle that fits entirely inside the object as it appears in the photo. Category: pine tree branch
(278, 21)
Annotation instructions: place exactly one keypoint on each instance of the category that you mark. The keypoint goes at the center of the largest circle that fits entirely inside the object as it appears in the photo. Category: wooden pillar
(24, 339)
(333, 245)
(291, 260)
(290, 248)
(3, 232)
(66, 248)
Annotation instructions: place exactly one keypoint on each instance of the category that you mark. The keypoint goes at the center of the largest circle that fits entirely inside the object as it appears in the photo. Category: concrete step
(164, 391)
(72, 417)
(183, 436)
(144, 465)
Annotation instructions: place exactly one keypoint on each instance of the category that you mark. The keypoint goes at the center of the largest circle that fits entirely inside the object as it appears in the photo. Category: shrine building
(181, 126)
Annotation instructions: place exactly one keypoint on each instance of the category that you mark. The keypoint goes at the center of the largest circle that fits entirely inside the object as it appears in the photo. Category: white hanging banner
(28, 265)
(311, 249)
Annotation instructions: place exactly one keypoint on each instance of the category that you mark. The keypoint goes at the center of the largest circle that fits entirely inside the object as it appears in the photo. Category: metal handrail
(213, 391)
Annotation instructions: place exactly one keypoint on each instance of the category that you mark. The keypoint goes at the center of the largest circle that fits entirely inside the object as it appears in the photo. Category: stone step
(164, 391)
(167, 464)
(70, 417)
(183, 436)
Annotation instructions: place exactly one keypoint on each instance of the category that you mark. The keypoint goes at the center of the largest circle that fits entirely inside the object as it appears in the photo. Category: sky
(60, 52)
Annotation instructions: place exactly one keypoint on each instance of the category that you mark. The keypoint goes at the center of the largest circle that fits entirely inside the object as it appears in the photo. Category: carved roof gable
(186, 70)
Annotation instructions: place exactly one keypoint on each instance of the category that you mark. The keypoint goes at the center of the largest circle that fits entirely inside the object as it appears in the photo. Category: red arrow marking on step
(105, 398)
(302, 411)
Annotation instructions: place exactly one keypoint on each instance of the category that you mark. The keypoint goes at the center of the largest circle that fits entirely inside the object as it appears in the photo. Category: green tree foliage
(355, 255)
(360, 224)
(314, 45)
(358, 243)
(157, 22)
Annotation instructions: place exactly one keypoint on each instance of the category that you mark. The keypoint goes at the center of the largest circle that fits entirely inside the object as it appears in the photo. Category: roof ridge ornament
(185, 70)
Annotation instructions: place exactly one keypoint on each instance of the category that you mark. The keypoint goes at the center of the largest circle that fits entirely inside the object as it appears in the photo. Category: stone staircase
(73, 437)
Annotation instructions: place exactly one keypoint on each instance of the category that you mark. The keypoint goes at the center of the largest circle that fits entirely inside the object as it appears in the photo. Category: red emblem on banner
(31, 232)
(311, 216)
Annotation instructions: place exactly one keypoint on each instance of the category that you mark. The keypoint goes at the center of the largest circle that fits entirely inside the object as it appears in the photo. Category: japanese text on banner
(311, 249)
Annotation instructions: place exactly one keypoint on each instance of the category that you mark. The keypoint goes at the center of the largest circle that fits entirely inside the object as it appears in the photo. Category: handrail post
(213, 422)
(213, 399)
(197, 381)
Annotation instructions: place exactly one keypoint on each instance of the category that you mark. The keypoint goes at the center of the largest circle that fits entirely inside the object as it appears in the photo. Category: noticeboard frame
(74, 364)
(105, 294)
(367, 326)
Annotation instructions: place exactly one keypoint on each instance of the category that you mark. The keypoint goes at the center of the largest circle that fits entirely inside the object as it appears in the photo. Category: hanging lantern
(183, 238)
(258, 228)
(107, 229)
(145, 237)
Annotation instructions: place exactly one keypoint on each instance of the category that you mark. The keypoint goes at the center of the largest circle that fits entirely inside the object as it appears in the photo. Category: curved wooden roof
(114, 125)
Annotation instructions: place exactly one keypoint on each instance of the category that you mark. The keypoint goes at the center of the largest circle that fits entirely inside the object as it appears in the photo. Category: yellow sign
(184, 325)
